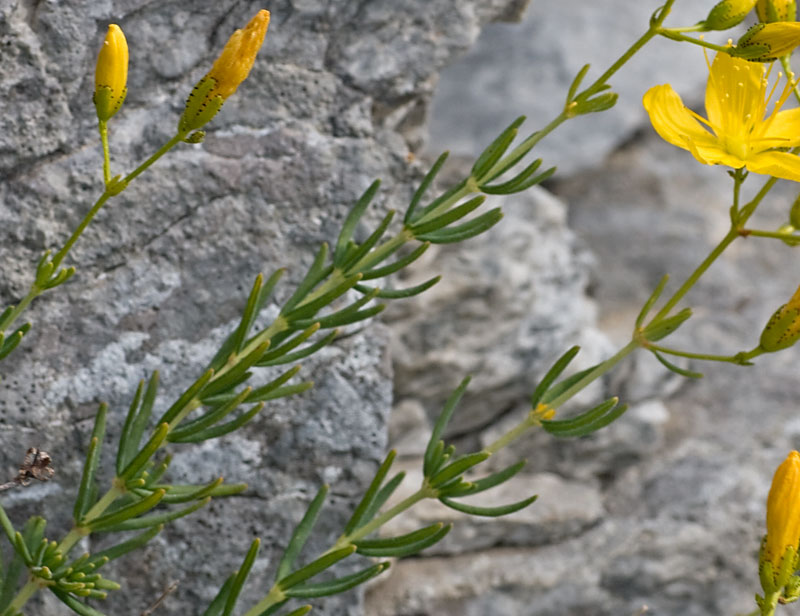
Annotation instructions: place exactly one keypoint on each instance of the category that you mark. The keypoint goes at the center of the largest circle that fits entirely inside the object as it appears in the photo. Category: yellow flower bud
(783, 328)
(776, 10)
(111, 74)
(768, 42)
(727, 14)
(783, 516)
(230, 69)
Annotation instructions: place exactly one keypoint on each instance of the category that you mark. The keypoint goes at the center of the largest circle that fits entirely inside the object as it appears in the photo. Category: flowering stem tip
(111, 74)
(229, 70)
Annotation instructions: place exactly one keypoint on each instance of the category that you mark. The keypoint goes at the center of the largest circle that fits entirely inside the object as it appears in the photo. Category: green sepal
(399, 293)
(186, 397)
(315, 274)
(489, 157)
(323, 562)
(404, 545)
(303, 353)
(489, 512)
(440, 425)
(87, 486)
(464, 231)
(351, 259)
(301, 533)
(353, 216)
(448, 217)
(457, 467)
(651, 300)
(550, 377)
(359, 518)
(196, 137)
(241, 576)
(423, 187)
(676, 369)
(218, 603)
(386, 270)
(220, 429)
(157, 519)
(481, 485)
(663, 328)
(334, 587)
(200, 109)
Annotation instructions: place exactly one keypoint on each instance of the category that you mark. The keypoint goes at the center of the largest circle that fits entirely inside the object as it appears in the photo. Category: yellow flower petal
(671, 119)
(779, 164)
(784, 129)
(735, 88)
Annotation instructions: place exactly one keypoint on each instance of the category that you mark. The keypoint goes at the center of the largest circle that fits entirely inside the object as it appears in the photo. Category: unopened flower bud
(779, 551)
(783, 328)
(727, 14)
(230, 69)
(776, 10)
(768, 42)
(111, 74)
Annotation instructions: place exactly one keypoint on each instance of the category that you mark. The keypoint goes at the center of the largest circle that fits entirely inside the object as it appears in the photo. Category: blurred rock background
(664, 508)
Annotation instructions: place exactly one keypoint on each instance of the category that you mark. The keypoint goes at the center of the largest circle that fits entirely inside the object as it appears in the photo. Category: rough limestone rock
(682, 478)
(333, 102)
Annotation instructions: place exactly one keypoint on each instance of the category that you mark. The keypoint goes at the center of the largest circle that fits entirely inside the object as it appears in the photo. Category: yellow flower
(767, 42)
(783, 328)
(229, 70)
(738, 132)
(783, 511)
(111, 73)
(776, 10)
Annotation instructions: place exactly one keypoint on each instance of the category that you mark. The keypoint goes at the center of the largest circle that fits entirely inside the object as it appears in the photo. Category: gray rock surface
(332, 103)
(680, 481)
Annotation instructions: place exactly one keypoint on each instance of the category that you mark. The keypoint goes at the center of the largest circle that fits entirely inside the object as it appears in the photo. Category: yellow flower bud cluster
(776, 10)
(111, 74)
(229, 70)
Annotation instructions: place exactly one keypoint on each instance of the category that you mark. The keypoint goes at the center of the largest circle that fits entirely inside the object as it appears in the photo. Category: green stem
(595, 374)
(30, 588)
(424, 492)
(513, 434)
(102, 125)
(788, 237)
(739, 358)
(675, 35)
(770, 603)
(33, 293)
(110, 192)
